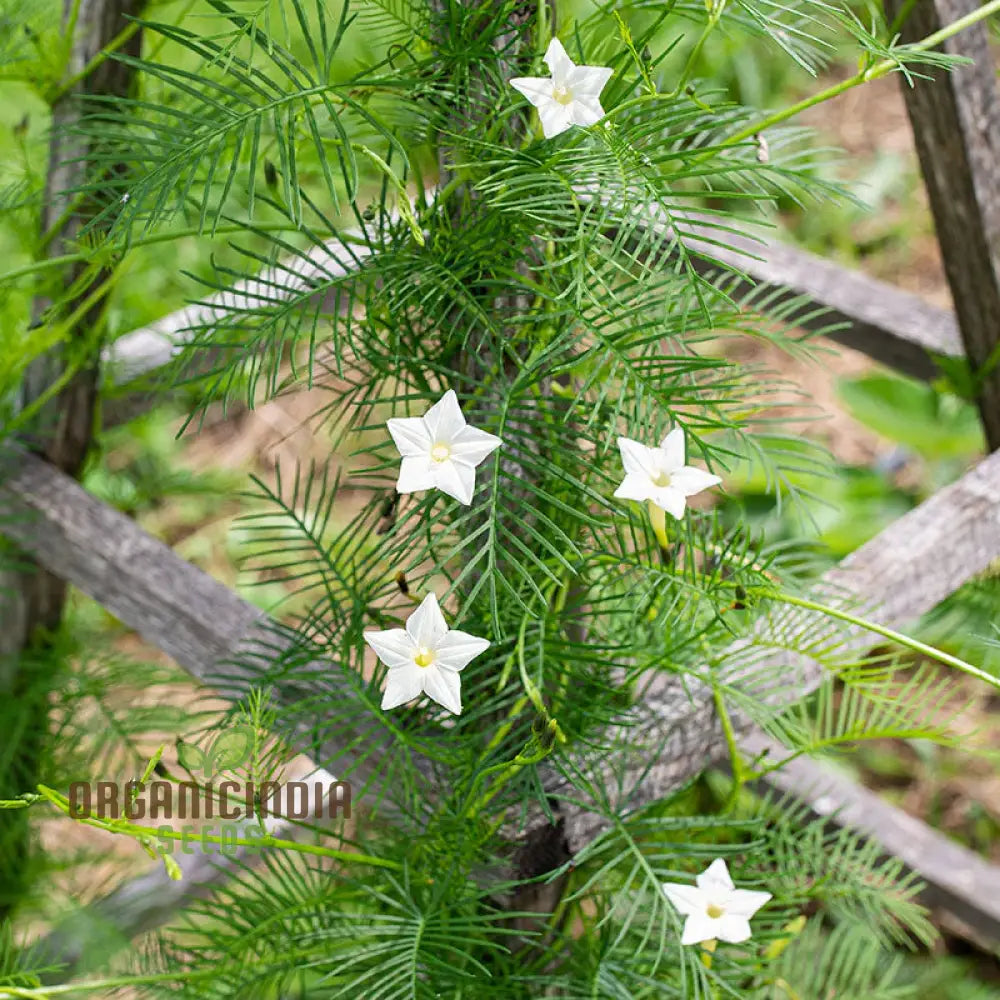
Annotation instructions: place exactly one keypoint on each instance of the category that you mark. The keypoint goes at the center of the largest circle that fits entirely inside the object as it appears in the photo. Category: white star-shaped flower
(571, 96)
(660, 475)
(425, 658)
(440, 450)
(715, 908)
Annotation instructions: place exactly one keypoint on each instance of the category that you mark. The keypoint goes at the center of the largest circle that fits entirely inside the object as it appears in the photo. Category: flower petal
(416, 473)
(715, 880)
(671, 500)
(699, 927)
(586, 111)
(687, 899)
(401, 686)
(589, 81)
(393, 647)
(733, 929)
(444, 419)
(471, 445)
(690, 480)
(535, 88)
(637, 458)
(555, 118)
(410, 435)
(559, 63)
(445, 687)
(457, 649)
(426, 626)
(635, 487)
(457, 479)
(672, 447)
(746, 902)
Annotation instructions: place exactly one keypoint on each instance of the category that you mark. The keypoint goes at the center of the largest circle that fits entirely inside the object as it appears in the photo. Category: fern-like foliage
(395, 227)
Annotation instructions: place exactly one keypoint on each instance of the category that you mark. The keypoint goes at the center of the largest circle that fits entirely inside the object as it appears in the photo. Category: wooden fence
(900, 574)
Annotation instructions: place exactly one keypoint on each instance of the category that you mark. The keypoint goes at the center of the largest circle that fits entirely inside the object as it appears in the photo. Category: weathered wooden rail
(902, 573)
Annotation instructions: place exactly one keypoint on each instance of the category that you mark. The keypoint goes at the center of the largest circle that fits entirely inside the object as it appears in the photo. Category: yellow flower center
(440, 453)
(662, 479)
(714, 911)
(424, 657)
(561, 95)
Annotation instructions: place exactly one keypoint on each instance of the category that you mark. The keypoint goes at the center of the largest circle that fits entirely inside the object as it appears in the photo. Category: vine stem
(904, 640)
(90, 985)
(900, 19)
(144, 833)
(786, 989)
(874, 72)
(735, 758)
(715, 14)
(64, 989)
(69, 372)
(533, 752)
(72, 258)
(116, 43)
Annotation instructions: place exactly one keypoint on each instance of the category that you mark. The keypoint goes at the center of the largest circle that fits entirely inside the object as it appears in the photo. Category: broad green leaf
(231, 748)
(914, 414)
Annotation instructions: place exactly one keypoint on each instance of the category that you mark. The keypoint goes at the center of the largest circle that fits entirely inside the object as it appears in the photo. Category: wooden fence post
(956, 125)
(31, 598)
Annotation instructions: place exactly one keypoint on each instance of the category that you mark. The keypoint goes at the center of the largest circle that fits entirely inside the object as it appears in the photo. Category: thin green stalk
(55, 387)
(864, 76)
(64, 989)
(900, 19)
(543, 30)
(501, 734)
(904, 640)
(530, 687)
(116, 43)
(692, 60)
(456, 182)
(534, 751)
(117, 826)
(116, 982)
(735, 759)
(402, 197)
(48, 264)
(145, 241)
(640, 99)
(874, 72)
(640, 65)
(71, 23)
(707, 952)
(786, 989)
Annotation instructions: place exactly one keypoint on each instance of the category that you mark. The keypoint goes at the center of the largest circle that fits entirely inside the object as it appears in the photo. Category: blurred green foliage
(924, 429)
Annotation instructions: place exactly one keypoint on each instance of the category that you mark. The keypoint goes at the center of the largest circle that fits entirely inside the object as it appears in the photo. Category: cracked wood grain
(956, 124)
